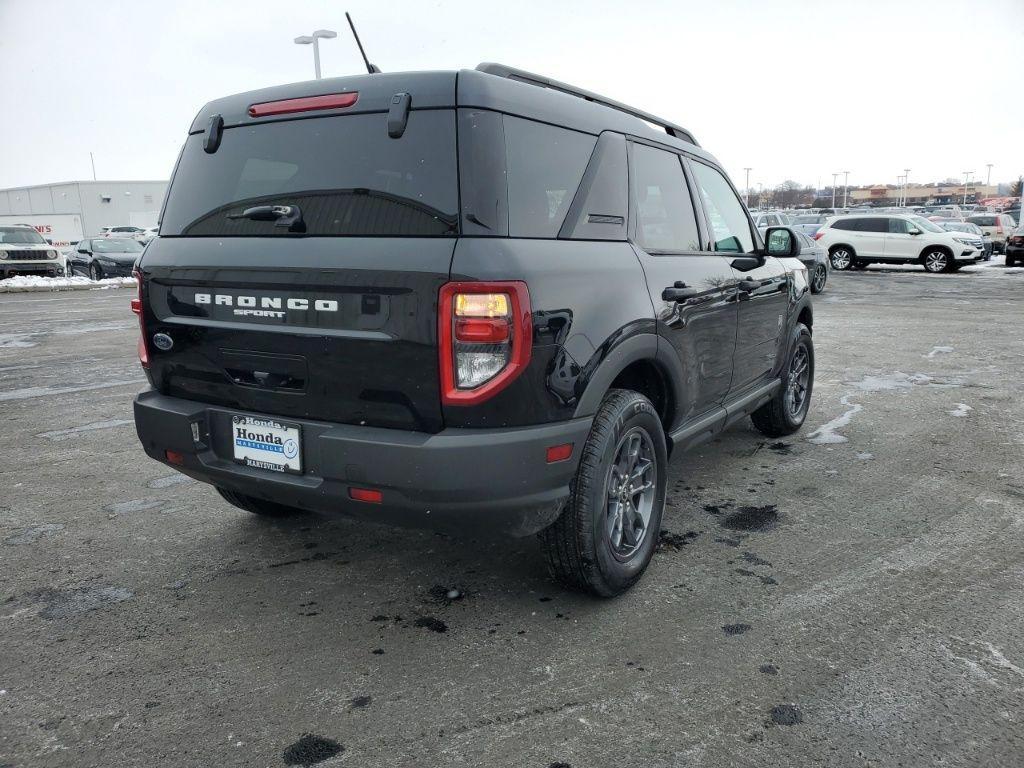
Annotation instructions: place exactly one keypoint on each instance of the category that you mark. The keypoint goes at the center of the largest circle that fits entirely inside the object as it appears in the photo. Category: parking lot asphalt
(848, 596)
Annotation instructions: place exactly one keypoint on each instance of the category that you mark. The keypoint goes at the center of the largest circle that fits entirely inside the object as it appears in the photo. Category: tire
(592, 546)
(841, 257)
(258, 506)
(936, 260)
(782, 416)
(95, 272)
(819, 278)
(1010, 261)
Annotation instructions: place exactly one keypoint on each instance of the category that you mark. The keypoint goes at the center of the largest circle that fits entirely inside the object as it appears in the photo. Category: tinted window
(898, 227)
(983, 221)
(874, 225)
(770, 221)
(344, 172)
(545, 165)
(850, 225)
(729, 223)
(665, 216)
(116, 245)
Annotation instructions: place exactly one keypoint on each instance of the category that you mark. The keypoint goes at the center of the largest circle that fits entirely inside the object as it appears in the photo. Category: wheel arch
(937, 247)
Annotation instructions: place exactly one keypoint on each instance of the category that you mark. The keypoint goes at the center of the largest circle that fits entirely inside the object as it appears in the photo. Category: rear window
(346, 175)
(983, 221)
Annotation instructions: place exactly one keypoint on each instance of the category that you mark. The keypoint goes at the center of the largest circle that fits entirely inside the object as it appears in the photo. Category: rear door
(332, 317)
(871, 232)
(762, 295)
(693, 290)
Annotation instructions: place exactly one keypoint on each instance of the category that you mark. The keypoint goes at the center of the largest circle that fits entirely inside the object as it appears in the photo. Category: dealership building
(64, 213)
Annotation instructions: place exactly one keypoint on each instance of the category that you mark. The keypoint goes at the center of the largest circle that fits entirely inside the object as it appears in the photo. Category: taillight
(137, 309)
(304, 104)
(485, 337)
(818, 235)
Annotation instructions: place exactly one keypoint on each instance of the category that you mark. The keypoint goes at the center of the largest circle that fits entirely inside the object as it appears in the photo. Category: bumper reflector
(369, 495)
(559, 452)
(174, 457)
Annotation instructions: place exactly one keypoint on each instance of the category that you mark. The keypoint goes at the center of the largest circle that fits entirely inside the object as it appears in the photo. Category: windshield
(21, 236)
(808, 219)
(344, 173)
(116, 245)
(925, 225)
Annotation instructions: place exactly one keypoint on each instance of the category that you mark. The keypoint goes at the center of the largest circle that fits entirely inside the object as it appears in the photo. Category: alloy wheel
(630, 488)
(798, 381)
(818, 281)
(841, 258)
(936, 261)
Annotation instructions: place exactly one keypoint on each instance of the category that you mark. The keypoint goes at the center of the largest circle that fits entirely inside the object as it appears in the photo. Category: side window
(665, 217)
(772, 221)
(898, 227)
(545, 165)
(729, 223)
(875, 225)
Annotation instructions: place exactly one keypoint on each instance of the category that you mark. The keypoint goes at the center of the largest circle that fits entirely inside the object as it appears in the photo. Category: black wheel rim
(629, 492)
(798, 382)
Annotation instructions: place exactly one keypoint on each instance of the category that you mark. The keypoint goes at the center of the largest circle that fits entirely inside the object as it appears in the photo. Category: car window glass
(545, 166)
(875, 225)
(729, 223)
(898, 227)
(771, 221)
(665, 216)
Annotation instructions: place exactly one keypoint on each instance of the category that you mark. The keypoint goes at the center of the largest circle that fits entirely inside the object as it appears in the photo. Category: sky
(793, 89)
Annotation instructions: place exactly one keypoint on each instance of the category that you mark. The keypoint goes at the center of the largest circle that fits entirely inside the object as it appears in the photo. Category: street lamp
(314, 39)
(967, 175)
(906, 186)
(846, 190)
(747, 187)
(834, 177)
(988, 176)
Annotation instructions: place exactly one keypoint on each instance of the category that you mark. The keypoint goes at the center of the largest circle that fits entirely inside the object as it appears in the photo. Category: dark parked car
(469, 300)
(815, 258)
(1015, 248)
(100, 257)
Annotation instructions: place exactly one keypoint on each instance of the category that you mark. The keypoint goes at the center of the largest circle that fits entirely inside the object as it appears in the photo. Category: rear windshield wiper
(285, 216)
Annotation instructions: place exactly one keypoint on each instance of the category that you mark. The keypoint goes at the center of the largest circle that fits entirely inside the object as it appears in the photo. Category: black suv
(469, 300)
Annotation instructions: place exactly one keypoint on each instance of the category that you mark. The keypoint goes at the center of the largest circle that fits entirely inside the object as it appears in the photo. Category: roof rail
(501, 70)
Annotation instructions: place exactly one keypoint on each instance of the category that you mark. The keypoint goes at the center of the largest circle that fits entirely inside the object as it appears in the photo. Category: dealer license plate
(266, 444)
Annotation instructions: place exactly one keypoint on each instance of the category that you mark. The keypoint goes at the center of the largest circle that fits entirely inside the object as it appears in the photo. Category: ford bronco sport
(472, 300)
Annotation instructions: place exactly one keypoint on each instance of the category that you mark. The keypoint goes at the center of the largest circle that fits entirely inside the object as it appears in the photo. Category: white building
(64, 213)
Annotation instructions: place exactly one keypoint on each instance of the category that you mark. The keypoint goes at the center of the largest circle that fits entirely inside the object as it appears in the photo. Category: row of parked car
(23, 251)
(941, 239)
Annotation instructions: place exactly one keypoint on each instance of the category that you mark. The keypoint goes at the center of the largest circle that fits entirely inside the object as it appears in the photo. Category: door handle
(678, 292)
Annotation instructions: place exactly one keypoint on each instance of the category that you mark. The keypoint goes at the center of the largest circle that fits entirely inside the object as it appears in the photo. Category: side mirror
(782, 242)
(914, 231)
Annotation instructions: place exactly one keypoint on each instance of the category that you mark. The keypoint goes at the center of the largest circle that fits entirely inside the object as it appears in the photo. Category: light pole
(906, 186)
(760, 194)
(846, 190)
(315, 40)
(899, 191)
(834, 177)
(988, 176)
(967, 175)
(747, 187)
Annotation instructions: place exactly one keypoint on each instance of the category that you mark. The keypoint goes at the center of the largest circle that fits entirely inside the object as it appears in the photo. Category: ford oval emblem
(162, 341)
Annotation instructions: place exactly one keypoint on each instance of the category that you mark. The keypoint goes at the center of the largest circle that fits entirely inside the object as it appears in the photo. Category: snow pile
(20, 283)
(962, 409)
(938, 351)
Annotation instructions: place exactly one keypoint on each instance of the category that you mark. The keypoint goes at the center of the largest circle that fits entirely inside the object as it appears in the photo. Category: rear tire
(785, 413)
(258, 506)
(819, 278)
(841, 257)
(601, 544)
(1010, 260)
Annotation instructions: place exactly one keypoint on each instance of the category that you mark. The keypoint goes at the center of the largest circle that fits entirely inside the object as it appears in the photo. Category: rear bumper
(486, 480)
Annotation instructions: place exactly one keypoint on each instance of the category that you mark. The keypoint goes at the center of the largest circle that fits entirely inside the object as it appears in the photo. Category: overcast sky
(793, 89)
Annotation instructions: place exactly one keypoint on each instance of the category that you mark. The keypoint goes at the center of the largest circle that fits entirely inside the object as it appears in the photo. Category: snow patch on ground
(865, 456)
(16, 340)
(962, 409)
(20, 283)
(889, 382)
(939, 351)
(32, 534)
(63, 434)
(827, 434)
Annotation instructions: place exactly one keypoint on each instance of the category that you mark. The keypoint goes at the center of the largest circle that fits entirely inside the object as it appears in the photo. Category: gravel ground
(848, 596)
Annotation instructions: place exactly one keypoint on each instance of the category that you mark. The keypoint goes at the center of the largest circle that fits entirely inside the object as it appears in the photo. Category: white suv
(23, 251)
(856, 241)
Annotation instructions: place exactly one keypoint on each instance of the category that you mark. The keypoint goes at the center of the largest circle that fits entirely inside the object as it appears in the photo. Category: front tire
(819, 278)
(785, 413)
(257, 506)
(841, 257)
(95, 272)
(937, 260)
(605, 537)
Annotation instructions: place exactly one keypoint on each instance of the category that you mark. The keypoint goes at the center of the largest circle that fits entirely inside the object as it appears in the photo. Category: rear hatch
(333, 316)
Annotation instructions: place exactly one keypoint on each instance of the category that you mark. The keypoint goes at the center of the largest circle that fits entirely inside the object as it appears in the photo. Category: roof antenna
(371, 68)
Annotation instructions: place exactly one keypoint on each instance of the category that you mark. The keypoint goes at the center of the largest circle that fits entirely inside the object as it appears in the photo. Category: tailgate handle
(264, 370)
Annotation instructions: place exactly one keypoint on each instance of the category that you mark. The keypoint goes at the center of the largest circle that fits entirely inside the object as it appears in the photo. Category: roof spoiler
(501, 70)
